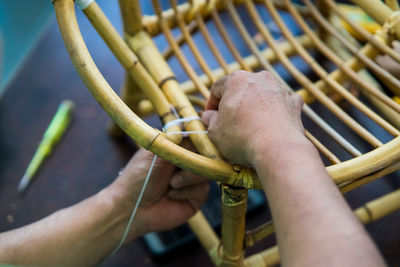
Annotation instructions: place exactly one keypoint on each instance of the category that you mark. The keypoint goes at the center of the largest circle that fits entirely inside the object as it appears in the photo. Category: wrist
(284, 145)
(282, 153)
(119, 208)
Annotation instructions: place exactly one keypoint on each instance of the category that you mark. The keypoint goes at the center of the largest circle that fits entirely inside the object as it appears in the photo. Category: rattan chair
(151, 86)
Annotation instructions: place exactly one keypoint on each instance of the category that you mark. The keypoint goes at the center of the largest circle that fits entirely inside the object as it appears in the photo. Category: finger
(140, 163)
(140, 155)
(196, 195)
(217, 91)
(209, 117)
(144, 158)
(297, 100)
(183, 179)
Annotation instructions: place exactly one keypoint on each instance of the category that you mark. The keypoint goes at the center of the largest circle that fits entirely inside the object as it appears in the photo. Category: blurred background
(36, 75)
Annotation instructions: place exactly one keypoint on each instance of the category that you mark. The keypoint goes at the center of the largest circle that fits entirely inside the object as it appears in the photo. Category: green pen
(50, 138)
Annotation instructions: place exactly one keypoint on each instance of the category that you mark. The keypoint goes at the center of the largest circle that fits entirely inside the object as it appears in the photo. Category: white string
(178, 122)
(121, 243)
(187, 132)
(173, 122)
(174, 111)
(83, 4)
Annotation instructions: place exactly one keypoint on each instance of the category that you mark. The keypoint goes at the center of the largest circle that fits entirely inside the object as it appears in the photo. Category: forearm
(81, 235)
(313, 221)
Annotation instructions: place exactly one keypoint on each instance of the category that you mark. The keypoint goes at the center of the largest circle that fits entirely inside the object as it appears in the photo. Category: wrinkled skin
(255, 110)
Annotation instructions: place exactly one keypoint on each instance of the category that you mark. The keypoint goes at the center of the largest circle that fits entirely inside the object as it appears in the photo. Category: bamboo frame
(130, 91)
(151, 24)
(148, 70)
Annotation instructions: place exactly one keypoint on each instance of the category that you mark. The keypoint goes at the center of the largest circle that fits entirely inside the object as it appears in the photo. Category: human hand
(248, 112)
(166, 203)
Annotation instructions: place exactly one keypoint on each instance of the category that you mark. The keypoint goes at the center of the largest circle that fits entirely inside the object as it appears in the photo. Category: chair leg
(234, 207)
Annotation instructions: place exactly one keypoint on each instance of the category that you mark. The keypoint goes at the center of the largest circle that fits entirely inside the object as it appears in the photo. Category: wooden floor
(87, 159)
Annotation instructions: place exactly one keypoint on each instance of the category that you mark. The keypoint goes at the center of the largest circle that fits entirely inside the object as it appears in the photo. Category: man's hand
(86, 233)
(165, 203)
(247, 111)
(253, 120)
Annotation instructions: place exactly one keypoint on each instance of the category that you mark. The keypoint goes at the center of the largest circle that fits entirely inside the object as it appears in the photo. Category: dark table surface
(87, 159)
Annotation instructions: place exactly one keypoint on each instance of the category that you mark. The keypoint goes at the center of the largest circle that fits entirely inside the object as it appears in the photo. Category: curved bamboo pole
(389, 113)
(152, 26)
(178, 53)
(341, 64)
(207, 36)
(324, 75)
(251, 62)
(168, 52)
(198, 223)
(155, 141)
(360, 55)
(393, 4)
(351, 185)
(228, 41)
(304, 81)
(378, 208)
(372, 39)
(137, 129)
(145, 107)
(375, 8)
(133, 97)
(306, 109)
(130, 91)
(190, 42)
(131, 16)
(133, 67)
(150, 138)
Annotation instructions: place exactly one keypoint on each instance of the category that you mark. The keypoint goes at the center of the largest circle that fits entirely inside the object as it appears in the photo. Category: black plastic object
(164, 244)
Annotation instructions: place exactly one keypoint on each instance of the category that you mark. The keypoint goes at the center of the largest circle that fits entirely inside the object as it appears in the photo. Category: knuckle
(298, 100)
(267, 74)
(239, 74)
(220, 82)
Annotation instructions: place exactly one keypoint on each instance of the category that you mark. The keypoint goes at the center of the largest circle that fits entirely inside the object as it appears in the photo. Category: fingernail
(176, 181)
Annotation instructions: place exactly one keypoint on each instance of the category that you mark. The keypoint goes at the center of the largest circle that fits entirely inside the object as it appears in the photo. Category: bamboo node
(148, 146)
(166, 79)
(233, 200)
(138, 41)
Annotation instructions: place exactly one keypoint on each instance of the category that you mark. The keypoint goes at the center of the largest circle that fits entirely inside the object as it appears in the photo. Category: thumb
(209, 117)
